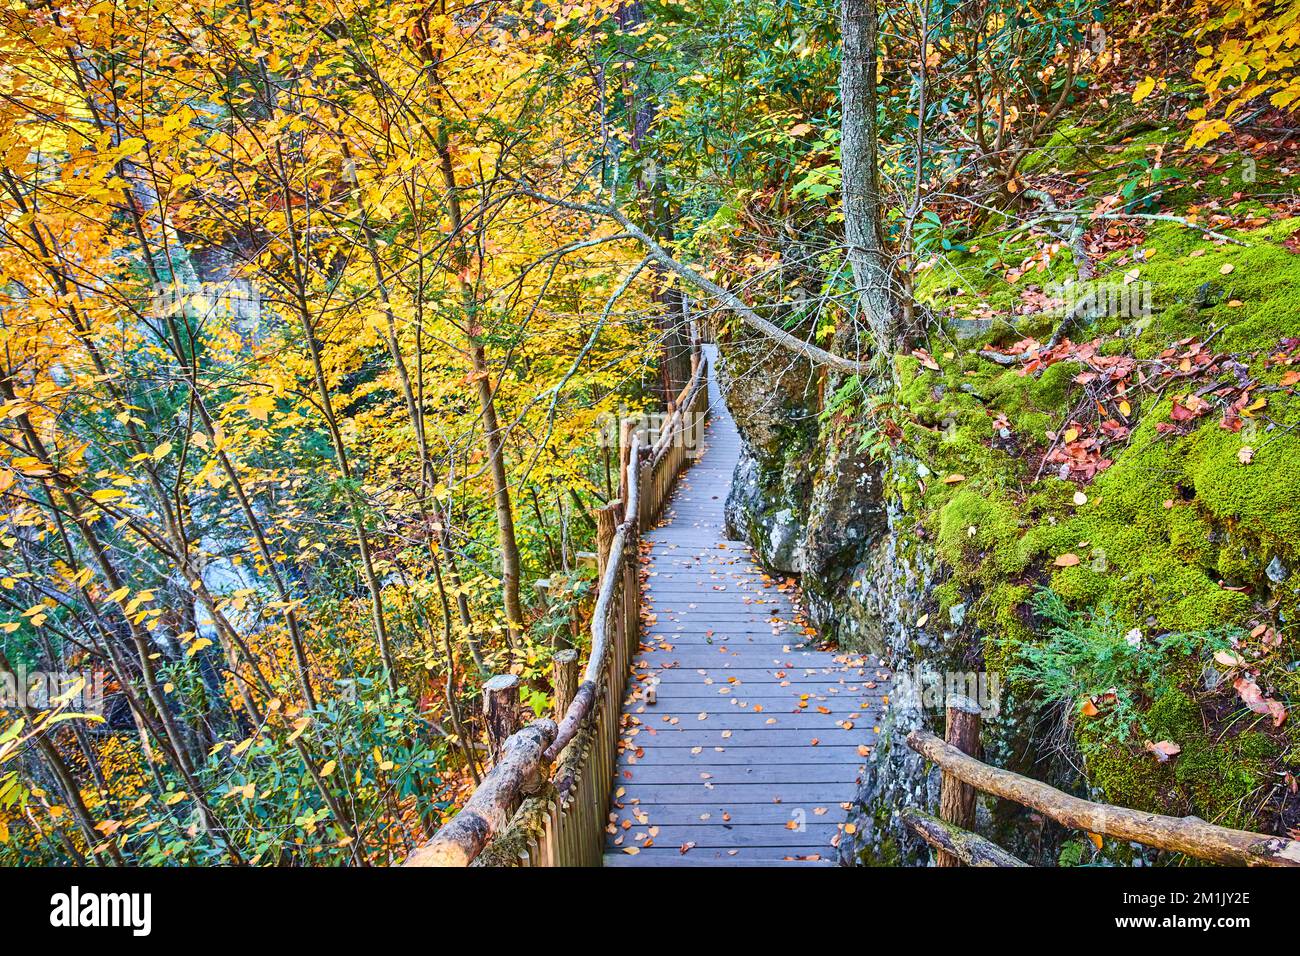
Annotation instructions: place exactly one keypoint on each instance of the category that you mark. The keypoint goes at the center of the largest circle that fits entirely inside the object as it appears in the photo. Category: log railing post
(957, 799)
(543, 588)
(606, 528)
(565, 680)
(625, 433)
(500, 710)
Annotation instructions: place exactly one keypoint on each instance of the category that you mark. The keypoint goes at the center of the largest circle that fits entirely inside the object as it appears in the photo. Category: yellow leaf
(1143, 89)
(260, 407)
(197, 646)
(328, 768)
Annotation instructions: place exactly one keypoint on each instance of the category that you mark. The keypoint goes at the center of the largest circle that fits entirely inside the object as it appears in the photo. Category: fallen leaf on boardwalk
(686, 847)
(791, 824)
(815, 741)
(631, 850)
(864, 750)
(1067, 560)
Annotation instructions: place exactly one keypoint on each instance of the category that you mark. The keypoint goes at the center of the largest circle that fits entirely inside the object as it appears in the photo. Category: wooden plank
(735, 773)
(812, 838)
(737, 814)
(669, 857)
(754, 756)
(839, 704)
(737, 657)
(789, 794)
(737, 720)
(727, 737)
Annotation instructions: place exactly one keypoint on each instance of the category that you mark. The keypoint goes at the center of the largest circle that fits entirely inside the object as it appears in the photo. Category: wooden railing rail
(962, 771)
(546, 799)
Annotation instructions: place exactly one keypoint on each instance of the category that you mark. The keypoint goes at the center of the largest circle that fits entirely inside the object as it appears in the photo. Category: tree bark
(565, 680)
(488, 811)
(969, 848)
(500, 711)
(860, 188)
(957, 799)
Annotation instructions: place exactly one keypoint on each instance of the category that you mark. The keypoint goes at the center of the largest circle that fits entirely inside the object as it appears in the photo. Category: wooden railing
(963, 773)
(545, 801)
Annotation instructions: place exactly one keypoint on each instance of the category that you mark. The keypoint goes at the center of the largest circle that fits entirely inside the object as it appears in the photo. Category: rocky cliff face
(813, 504)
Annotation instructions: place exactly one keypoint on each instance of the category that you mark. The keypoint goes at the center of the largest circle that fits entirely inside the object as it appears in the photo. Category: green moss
(1259, 503)
(1051, 388)
(979, 536)
(999, 615)
(1218, 778)
(1182, 261)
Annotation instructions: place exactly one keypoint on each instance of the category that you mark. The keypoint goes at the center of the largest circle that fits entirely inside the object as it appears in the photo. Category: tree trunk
(863, 233)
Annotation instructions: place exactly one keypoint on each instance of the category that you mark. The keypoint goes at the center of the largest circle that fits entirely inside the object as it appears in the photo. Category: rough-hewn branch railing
(523, 814)
(1189, 835)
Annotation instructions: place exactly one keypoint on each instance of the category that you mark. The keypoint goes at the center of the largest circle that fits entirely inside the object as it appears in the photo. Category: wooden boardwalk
(750, 753)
